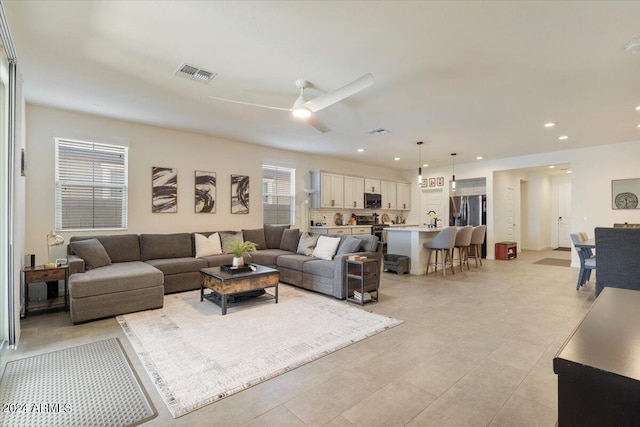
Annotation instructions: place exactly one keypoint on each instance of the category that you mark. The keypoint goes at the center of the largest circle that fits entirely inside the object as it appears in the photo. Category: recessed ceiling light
(563, 137)
(552, 167)
(549, 124)
(568, 171)
(360, 150)
(639, 126)
(425, 165)
(479, 158)
(637, 108)
(396, 158)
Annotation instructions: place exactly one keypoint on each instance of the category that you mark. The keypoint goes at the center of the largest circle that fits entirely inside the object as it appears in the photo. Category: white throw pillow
(326, 247)
(207, 246)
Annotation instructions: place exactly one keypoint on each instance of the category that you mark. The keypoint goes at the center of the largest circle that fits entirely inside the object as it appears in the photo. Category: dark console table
(598, 367)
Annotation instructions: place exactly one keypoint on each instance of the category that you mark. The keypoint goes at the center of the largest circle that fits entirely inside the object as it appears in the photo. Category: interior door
(564, 214)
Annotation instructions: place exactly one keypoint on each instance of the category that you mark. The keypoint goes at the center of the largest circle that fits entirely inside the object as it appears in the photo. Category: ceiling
(476, 78)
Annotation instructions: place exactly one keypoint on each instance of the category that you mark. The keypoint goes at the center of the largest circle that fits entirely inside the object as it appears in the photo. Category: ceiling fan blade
(337, 95)
(319, 125)
(250, 103)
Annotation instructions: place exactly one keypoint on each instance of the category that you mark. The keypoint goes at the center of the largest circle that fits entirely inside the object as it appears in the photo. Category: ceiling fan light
(301, 112)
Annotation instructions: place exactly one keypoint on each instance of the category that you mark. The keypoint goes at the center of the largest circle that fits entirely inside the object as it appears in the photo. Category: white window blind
(91, 186)
(278, 190)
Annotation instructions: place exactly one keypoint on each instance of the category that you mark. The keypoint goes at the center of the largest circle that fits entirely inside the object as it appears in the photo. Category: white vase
(238, 261)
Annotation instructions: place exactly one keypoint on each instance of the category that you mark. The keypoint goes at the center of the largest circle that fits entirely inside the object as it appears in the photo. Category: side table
(362, 276)
(39, 274)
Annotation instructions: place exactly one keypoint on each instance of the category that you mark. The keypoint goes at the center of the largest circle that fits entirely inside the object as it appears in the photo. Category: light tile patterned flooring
(476, 349)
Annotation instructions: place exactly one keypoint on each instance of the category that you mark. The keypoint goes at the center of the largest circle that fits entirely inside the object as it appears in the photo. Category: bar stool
(477, 239)
(443, 242)
(463, 242)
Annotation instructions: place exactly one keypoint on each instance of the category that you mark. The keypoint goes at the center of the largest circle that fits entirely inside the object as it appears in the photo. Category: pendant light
(419, 162)
(453, 181)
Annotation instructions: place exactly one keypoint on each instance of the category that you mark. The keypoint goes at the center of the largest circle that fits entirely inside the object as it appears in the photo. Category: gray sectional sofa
(133, 272)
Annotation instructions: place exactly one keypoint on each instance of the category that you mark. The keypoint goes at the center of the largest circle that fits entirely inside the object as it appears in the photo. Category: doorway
(564, 214)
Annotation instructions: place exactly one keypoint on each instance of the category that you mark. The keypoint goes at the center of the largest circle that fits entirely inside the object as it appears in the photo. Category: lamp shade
(53, 239)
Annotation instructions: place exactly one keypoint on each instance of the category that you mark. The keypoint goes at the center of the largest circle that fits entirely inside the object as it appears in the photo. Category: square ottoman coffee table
(224, 284)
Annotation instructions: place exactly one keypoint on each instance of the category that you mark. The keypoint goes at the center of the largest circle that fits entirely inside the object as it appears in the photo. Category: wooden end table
(364, 276)
(42, 273)
(224, 285)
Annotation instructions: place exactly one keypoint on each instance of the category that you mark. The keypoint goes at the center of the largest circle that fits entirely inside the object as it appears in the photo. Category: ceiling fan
(304, 109)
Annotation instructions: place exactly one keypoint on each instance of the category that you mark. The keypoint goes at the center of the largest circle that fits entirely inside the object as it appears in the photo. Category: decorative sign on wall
(164, 196)
(440, 181)
(625, 193)
(239, 194)
(205, 192)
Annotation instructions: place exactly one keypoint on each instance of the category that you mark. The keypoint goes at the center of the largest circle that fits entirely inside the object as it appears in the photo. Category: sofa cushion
(319, 267)
(256, 236)
(294, 262)
(206, 246)
(290, 238)
(92, 252)
(178, 265)
(349, 245)
(119, 247)
(326, 247)
(227, 237)
(160, 246)
(117, 277)
(267, 256)
(273, 235)
(307, 243)
(369, 242)
(218, 260)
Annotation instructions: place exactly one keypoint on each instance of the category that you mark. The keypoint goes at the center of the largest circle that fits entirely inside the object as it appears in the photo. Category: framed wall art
(625, 193)
(164, 193)
(239, 194)
(432, 182)
(205, 192)
(440, 181)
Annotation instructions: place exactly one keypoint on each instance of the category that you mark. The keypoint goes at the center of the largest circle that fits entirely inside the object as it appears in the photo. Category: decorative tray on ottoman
(227, 268)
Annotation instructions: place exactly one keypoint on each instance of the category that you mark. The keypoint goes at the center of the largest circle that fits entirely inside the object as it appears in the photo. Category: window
(278, 190)
(91, 186)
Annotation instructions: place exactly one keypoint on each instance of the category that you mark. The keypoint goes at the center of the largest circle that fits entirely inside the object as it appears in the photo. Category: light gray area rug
(195, 356)
(86, 385)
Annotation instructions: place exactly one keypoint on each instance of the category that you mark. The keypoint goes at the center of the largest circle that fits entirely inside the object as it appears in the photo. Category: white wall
(154, 146)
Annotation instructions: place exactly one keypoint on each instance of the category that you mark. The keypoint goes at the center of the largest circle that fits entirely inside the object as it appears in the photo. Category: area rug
(555, 262)
(563, 249)
(195, 356)
(86, 385)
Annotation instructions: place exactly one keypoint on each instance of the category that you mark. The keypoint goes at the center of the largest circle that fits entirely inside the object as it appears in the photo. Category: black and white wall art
(205, 192)
(239, 194)
(164, 190)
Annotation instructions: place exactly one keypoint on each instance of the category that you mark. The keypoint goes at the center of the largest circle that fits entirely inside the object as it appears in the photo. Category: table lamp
(53, 239)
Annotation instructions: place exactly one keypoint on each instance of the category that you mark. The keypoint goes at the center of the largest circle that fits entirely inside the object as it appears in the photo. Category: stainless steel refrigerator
(469, 210)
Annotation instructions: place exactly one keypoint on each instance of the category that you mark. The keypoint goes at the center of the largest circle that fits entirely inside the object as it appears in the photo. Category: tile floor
(476, 349)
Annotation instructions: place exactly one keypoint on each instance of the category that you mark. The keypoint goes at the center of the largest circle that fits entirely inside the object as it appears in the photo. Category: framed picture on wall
(164, 190)
(432, 182)
(205, 192)
(239, 194)
(440, 182)
(625, 193)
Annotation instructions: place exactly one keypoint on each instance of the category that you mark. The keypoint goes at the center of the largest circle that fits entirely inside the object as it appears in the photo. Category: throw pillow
(92, 252)
(255, 236)
(273, 235)
(349, 245)
(290, 240)
(207, 246)
(306, 243)
(326, 247)
(226, 237)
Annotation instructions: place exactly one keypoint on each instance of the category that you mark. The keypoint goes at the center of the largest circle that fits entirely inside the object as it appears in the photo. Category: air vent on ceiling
(194, 73)
(378, 131)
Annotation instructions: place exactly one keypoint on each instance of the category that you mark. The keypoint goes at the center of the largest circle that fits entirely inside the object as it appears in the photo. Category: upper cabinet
(403, 196)
(388, 193)
(354, 192)
(372, 186)
(330, 190)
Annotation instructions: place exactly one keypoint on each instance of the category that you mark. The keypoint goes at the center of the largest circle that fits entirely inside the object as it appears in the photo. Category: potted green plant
(238, 249)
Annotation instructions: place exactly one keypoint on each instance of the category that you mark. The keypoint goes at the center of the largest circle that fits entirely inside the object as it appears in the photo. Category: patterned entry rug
(86, 385)
(555, 262)
(196, 356)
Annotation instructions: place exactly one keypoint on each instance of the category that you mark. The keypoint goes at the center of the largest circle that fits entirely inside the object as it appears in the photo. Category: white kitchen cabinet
(361, 229)
(329, 190)
(372, 186)
(388, 194)
(403, 196)
(353, 192)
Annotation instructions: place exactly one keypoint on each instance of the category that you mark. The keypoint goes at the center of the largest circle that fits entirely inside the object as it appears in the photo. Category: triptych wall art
(164, 194)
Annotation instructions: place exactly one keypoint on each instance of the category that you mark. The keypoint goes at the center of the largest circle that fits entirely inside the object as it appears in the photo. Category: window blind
(91, 185)
(278, 190)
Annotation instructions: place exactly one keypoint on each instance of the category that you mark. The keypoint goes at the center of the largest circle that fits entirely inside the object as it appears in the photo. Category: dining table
(587, 244)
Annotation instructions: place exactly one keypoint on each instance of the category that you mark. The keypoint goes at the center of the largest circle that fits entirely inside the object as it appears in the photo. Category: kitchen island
(408, 242)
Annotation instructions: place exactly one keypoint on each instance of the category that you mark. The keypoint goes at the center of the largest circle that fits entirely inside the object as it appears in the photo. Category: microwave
(372, 201)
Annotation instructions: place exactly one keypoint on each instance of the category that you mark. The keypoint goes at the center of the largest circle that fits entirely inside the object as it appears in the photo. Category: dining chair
(477, 239)
(587, 262)
(443, 242)
(463, 243)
